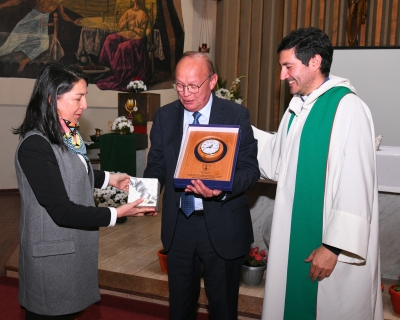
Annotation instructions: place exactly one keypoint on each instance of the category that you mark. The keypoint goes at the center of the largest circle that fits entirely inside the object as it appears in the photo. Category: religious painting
(114, 41)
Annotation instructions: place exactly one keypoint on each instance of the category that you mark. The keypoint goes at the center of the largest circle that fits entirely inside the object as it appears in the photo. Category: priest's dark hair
(41, 114)
(307, 42)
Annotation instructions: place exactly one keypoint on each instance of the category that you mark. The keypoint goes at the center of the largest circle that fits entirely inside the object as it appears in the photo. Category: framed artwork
(114, 41)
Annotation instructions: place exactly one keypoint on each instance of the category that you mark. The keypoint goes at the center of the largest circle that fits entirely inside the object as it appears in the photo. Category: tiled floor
(128, 263)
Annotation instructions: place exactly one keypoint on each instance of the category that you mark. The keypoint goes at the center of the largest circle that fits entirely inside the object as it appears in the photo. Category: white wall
(193, 24)
(375, 73)
(15, 94)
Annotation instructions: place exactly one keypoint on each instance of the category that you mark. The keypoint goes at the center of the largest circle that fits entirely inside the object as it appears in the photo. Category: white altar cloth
(388, 168)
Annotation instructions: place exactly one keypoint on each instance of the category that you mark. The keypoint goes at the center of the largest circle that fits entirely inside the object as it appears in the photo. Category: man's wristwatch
(221, 196)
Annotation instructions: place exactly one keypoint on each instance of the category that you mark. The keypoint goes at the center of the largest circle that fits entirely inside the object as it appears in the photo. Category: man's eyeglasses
(192, 88)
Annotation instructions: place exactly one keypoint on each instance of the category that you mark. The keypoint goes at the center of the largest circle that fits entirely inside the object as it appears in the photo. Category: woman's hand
(119, 181)
(132, 210)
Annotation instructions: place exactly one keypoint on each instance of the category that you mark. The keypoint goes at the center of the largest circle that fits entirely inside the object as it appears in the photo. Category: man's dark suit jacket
(228, 222)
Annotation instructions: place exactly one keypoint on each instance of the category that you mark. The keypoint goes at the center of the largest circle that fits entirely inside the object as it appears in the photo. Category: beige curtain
(248, 33)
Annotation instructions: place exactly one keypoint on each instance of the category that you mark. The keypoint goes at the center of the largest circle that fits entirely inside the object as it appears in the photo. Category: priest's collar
(304, 98)
(297, 105)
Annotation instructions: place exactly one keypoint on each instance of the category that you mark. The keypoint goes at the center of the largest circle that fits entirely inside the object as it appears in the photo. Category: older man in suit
(218, 233)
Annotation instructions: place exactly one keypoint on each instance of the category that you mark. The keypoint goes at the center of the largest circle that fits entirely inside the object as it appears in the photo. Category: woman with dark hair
(59, 225)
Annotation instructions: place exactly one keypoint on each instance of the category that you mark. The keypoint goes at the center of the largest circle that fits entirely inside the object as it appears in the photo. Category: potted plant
(254, 266)
(162, 257)
(394, 291)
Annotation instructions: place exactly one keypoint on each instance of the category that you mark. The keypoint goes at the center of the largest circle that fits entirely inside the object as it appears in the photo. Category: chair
(54, 24)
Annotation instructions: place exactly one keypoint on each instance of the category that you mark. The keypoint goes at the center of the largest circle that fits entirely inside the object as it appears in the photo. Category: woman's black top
(39, 164)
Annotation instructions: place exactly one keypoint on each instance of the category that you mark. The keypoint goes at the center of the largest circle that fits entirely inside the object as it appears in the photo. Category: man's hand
(198, 187)
(323, 261)
(119, 181)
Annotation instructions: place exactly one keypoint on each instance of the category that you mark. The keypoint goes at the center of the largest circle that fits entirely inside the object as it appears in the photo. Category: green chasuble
(307, 212)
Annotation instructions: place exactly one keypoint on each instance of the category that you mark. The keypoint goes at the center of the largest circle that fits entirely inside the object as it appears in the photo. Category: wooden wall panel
(250, 30)
(378, 25)
(335, 18)
(254, 67)
(393, 22)
(245, 42)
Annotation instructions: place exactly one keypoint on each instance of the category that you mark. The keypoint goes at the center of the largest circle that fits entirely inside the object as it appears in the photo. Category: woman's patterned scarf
(72, 138)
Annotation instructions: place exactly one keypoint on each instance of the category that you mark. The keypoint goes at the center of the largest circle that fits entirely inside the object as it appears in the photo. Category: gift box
(146, 188)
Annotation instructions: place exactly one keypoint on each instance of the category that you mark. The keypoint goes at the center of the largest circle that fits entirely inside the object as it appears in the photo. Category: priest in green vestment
(324, 249)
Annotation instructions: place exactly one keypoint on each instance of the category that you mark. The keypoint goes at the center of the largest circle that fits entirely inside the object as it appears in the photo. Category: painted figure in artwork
(30, 35)
(125, 52)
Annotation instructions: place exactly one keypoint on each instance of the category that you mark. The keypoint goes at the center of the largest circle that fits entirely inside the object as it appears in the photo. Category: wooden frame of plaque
(208, 153)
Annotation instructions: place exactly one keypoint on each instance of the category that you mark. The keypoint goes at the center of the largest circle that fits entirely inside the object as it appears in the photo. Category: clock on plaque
(210, 149)
(208, 153)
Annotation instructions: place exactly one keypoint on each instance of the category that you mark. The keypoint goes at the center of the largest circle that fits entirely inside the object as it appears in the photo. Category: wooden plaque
(208, 155)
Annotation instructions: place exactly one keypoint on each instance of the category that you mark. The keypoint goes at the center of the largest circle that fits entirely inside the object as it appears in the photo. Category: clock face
(210, 146)
(210, 149)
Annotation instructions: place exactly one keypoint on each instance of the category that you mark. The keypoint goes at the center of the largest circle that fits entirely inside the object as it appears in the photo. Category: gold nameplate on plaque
(208, 153)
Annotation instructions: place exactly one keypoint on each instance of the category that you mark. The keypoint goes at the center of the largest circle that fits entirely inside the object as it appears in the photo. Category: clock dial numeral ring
(210, 149)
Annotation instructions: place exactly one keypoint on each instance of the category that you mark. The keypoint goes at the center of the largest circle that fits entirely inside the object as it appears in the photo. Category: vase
(395, 297)
(162, 257)
(252, 276)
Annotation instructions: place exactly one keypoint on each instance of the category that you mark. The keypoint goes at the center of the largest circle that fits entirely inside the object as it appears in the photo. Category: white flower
(136, 84)
(239, 101)
(110, 197)
(223, 93)
(122, 124)
(233, 93)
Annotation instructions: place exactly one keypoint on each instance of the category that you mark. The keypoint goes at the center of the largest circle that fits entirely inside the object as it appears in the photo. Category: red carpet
(109, 308)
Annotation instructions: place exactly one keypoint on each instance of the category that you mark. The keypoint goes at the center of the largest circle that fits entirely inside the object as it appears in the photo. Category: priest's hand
(199, 188)
(323, 261)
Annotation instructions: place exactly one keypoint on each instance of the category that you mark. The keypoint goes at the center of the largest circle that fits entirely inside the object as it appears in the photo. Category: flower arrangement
(122, 125)
(256, 257)
(232, 94)
(110, 197)
(136, 85)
